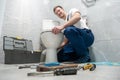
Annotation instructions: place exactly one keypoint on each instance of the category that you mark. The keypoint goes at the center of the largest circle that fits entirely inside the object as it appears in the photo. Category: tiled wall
(24, 18)
(104, 18)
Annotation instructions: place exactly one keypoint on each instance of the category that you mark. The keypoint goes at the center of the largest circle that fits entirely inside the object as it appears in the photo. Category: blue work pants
(77, 48)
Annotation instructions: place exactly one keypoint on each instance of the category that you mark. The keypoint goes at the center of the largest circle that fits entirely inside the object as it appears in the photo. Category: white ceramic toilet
(50, 40)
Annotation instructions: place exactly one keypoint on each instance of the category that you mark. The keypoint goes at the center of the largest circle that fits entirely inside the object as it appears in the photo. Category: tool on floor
(36, 65)
(65, 70)
(52, 68)
(30, 66)
(73, 70)
(52, 64)
(57, 72)
(89, 66)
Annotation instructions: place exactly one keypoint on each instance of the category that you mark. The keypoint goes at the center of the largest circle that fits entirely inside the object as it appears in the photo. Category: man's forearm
(73, 20)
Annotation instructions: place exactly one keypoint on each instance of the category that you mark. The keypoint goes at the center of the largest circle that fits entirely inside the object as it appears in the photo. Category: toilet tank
(47, 24)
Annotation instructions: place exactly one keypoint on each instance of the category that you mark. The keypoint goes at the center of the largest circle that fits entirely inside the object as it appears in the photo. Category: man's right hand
(57, 29)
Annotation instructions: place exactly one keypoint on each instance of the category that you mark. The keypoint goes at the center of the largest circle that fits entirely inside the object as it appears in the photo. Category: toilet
(50, 40)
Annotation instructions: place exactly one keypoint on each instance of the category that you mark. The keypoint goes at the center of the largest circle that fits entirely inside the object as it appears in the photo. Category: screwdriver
(57, 72)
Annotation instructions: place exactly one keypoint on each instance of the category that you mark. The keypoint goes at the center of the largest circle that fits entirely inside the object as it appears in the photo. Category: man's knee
(69, 30)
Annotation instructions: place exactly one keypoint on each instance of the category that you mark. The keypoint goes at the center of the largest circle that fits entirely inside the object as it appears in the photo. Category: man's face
(59, 12)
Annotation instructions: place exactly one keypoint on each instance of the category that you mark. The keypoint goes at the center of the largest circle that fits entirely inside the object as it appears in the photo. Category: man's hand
(57, 29)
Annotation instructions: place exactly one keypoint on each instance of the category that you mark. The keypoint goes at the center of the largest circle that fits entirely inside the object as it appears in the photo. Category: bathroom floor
(102, 72)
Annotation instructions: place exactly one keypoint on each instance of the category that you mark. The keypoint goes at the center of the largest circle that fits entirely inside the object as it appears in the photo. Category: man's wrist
(63, 26)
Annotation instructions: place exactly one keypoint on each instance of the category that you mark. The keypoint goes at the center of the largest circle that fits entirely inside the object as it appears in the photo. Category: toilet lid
(50, 39)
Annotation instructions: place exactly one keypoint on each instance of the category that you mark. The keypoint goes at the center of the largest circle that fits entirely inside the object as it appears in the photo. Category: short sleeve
(73, 10)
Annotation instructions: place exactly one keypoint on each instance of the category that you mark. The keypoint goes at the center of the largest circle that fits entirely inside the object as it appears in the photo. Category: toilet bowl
(50, 40)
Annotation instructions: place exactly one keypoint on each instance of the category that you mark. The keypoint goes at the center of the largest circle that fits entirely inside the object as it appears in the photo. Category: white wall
(2, 9)
(24, 18)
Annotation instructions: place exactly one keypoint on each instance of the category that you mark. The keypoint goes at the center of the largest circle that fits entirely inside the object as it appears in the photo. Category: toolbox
(19, 51)
(12, 43)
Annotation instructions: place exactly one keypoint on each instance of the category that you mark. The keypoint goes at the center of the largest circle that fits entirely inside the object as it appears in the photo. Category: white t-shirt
(80, 24)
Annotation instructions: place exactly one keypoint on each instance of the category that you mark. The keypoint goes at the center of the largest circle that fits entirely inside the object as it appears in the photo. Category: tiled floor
(102, 72)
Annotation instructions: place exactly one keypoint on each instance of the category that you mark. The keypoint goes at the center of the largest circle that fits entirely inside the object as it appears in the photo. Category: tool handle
(65, 66)
(65, 71)
(21, 67)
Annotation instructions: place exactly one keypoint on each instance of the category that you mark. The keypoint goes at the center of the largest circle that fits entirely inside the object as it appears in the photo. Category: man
(78, 37)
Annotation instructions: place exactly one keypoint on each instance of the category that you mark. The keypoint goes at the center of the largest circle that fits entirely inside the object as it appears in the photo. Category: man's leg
(76, 37)
(66, 54)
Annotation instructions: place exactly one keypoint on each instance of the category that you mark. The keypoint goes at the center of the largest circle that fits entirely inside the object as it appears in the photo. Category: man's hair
(57, 7)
